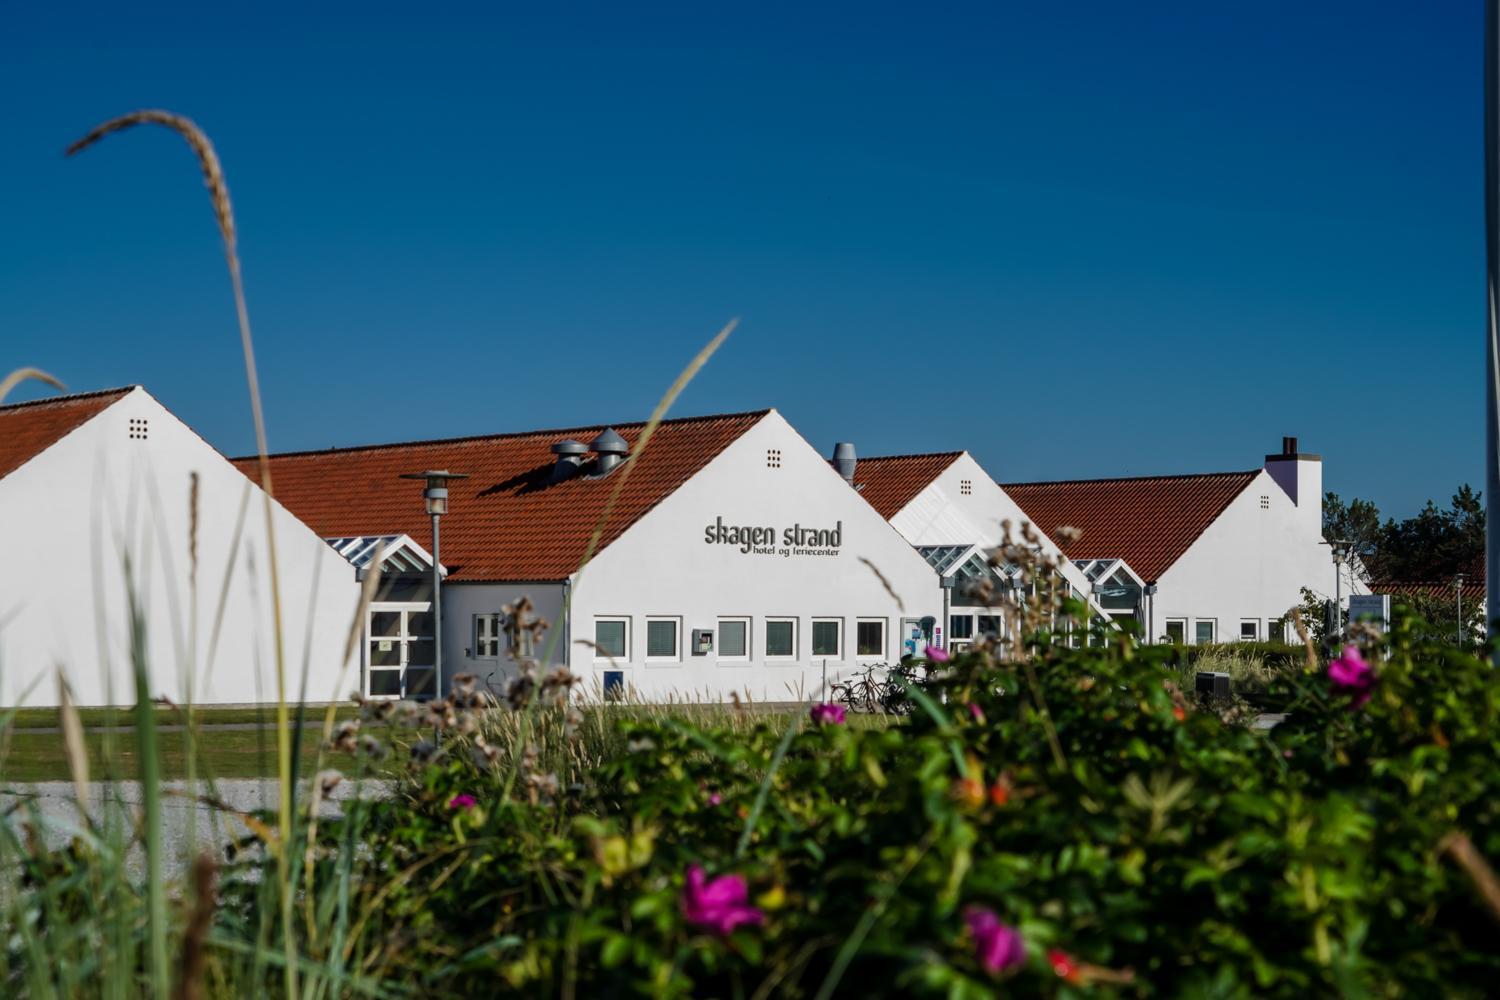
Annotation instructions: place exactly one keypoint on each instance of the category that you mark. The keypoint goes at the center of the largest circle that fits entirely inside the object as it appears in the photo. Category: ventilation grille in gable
(966, 487)
(139, 429)
(773, 458)
(1265, 503)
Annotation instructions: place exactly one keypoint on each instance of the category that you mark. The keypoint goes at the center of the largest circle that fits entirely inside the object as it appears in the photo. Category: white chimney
(1301, 477)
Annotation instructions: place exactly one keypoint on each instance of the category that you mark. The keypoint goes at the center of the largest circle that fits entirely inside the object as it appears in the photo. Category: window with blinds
(661, 638)
(734, 638)
(611, 638)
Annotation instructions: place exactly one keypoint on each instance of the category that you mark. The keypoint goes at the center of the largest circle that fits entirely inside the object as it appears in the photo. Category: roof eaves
(465, 439)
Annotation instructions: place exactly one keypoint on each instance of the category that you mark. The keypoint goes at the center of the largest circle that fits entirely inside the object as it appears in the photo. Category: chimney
(611, 449)
(569, 457)
(1301, 477)
(844, 461)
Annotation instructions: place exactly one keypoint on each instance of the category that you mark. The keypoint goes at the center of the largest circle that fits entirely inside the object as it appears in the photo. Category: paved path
(52, 803)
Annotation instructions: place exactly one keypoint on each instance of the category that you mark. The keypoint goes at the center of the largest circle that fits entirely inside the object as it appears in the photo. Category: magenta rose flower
(937, 654)
(826, 714)
(1350, 674)
(462, 802)
(997, 946)
(720, 905)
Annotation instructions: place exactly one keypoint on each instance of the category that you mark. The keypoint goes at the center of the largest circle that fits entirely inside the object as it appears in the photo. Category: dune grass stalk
(151, 790)
(218, 188)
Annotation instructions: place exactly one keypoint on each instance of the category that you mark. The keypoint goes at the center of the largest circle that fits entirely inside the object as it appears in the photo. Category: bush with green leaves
(1137, 845)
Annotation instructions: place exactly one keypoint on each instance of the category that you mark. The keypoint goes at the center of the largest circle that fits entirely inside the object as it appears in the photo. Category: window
(734, 638)
(827, 635)
(1203, 631)
(661, 638)
(612, 638)
(1249, 630)
(989, 626)
(486, 636)
(1276, 631)
(781, 638)
(1177, 630)
(960, 626)
(869, 637)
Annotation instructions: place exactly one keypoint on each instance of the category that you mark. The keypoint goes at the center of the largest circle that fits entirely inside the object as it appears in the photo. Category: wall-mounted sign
(761, 540)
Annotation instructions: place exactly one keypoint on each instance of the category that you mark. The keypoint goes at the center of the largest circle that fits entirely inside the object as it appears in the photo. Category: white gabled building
(1222, 557)
(734, 561)
(107, 497)
(953, 512)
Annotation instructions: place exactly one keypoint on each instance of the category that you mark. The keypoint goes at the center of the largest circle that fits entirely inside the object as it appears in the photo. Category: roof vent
(1289, 446)
(569, 457)
(844, 461)
(611, 449)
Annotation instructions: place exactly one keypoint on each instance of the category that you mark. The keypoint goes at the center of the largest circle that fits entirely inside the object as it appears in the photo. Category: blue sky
(1076, 239)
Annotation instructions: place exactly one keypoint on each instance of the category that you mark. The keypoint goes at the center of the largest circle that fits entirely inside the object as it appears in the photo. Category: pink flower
(462, 802)
(719, 905)
(998, 946)
(715, 798)
(1351, 675)
(976, 712)
(827, 714)
(936, 654)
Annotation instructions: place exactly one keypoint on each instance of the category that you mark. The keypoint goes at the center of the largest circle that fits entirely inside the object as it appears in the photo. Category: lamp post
(1341, 547)
(1492, 335)
(436, 495)
(1458, 587)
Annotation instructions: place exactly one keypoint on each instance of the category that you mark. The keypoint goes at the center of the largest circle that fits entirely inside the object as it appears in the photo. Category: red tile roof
(1149, 521)
(1474, 591)
(508, 521)
(28, 429)
(891, 482)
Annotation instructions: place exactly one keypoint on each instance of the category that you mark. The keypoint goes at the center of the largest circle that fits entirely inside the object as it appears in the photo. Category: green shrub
(1078, 796)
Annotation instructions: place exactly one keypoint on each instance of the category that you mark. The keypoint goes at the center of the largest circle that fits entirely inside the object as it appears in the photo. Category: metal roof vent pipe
(611, 449)
(844, 461)
(569, 458)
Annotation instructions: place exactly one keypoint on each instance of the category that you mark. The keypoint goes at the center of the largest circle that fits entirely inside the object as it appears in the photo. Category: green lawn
(42, 718)
(243, 753)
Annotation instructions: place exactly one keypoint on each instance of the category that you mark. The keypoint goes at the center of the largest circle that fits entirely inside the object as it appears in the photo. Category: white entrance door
(400, 651)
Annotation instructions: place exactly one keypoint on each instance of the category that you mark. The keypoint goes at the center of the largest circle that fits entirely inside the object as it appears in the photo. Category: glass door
(401, 651)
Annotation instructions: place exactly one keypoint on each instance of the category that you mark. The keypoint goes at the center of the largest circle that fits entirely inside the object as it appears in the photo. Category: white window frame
(838, 623)
(600, 656)
(494, 638)
(1213, 623)
(676, 622)
(1187, 634)
(1254, 622)
(885, 631)
(769, 619)
(746, 621)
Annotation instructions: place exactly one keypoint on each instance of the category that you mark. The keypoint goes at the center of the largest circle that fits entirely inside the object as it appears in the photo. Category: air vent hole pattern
(140, 430)
(1265, 503)
(773, 458)
(966, 487)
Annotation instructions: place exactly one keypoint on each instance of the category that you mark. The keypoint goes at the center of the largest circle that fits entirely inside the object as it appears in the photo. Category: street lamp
(1458, 585)
(1341, 548)
(436, 495)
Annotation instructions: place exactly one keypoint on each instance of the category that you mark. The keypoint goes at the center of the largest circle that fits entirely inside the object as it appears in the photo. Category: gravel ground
(59, 821)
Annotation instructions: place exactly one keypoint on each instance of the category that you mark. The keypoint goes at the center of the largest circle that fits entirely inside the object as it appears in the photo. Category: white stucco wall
(1251, 563)
(662, 566)
(76, 511)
